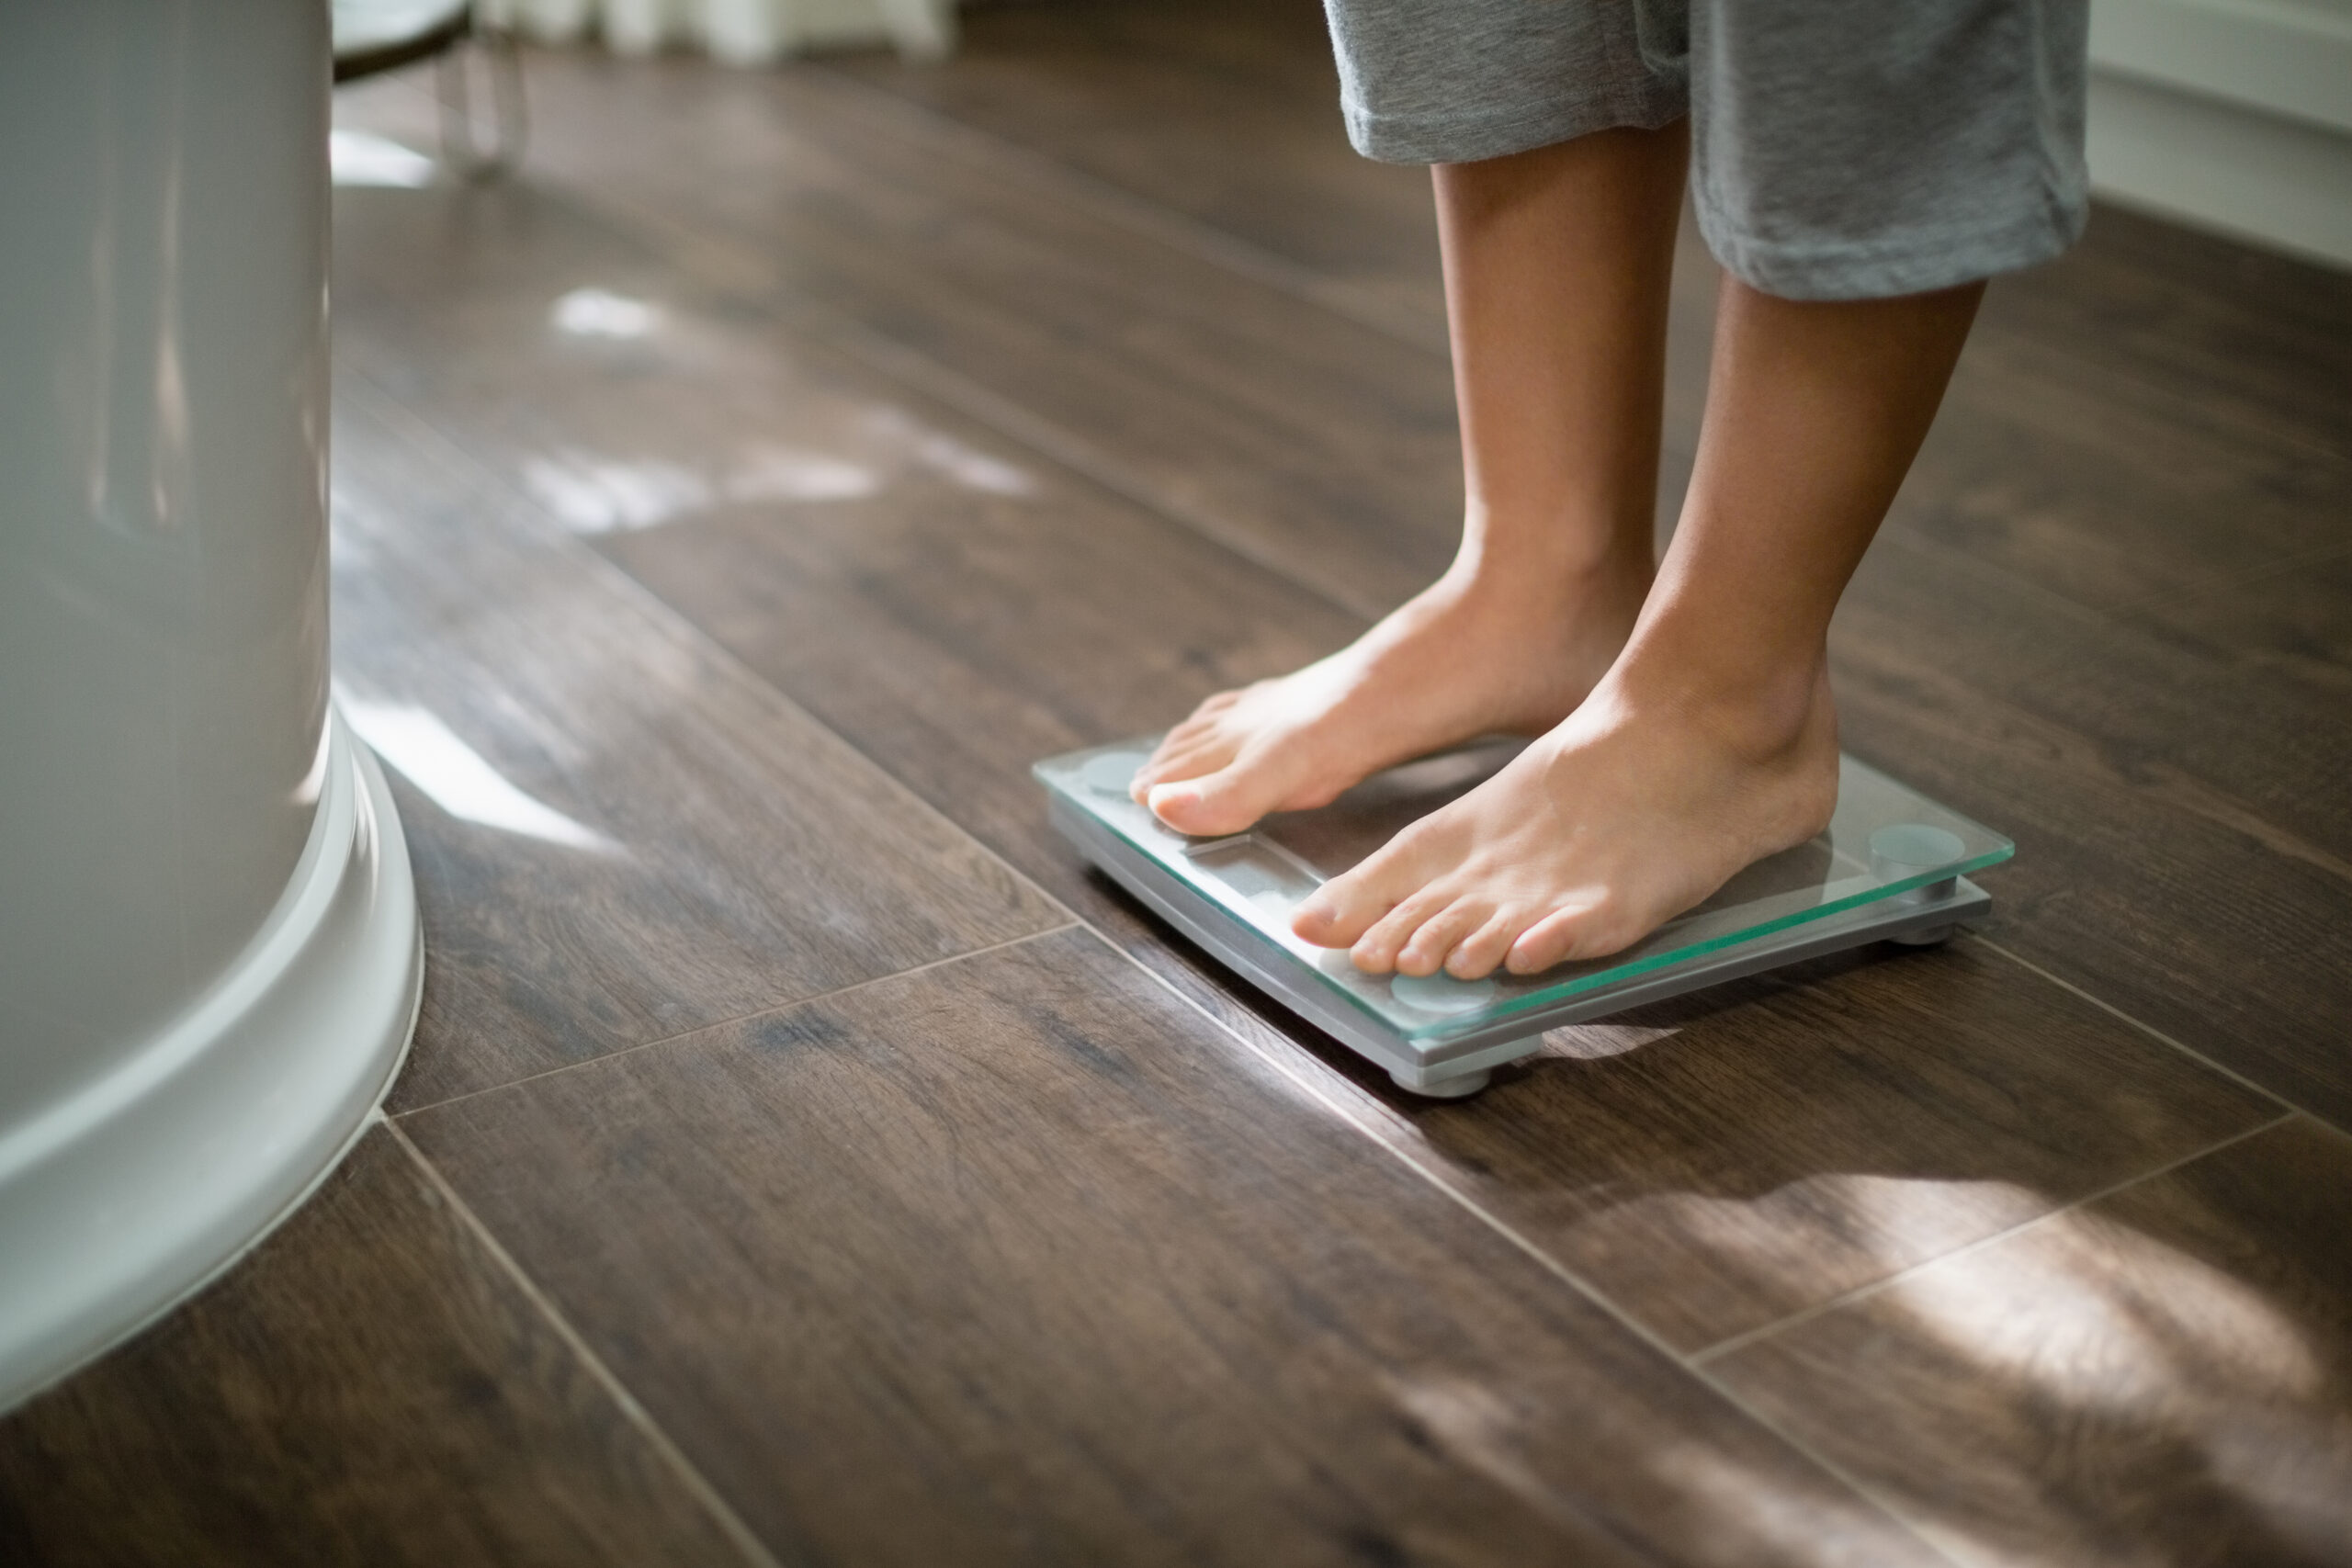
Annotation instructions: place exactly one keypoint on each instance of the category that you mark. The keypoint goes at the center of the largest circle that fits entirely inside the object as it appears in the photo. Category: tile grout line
(1542, 1259)
(1737, 1342)
(698, 1485)
(2104, 617)
(720, 654)
(2206, 587)
(894, 359)
(1206, 242)
(911, 366)
(1492, 1222)
(681, 627)
(1056, 180)
(725, 265)
(784, 1005)
(2178, 404)
(1517, 1241)
(2150, 1029)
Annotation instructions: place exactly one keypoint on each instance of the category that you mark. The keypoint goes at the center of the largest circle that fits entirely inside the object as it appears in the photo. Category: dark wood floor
(810, 1164)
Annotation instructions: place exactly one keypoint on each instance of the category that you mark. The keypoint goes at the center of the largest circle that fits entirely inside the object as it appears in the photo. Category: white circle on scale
(1441, 993)
(1918, 844)
(1276, 904)
(1111, 772)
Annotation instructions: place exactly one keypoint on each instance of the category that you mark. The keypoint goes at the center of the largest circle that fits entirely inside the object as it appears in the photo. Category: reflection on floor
(804, 1160)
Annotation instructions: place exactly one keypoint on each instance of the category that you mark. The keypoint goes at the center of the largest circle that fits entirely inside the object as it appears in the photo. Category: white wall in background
(2232, 115)
(741, 32)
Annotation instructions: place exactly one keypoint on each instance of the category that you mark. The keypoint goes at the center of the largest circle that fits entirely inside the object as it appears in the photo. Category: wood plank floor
(729, 854)
(804, 1160)
(374, 1384)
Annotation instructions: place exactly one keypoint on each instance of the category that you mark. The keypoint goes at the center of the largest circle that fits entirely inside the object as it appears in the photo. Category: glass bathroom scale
(1890, 867)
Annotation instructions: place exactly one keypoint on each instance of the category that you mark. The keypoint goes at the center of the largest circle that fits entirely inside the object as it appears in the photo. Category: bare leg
(1711, 742)
(1557, 271)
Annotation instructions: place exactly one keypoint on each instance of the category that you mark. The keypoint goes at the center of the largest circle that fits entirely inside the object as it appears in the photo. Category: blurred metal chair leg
(375, 35)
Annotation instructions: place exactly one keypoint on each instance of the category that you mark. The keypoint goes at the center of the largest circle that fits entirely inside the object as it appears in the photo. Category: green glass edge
(1448, 1028)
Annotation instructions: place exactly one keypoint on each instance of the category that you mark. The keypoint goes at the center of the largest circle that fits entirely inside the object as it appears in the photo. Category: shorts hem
(1914, 263)
(1466, 139)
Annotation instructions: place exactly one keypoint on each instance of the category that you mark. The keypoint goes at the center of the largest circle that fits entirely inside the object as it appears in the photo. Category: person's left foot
(1618, 819)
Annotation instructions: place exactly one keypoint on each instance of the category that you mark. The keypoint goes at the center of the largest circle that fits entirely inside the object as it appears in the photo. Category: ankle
(1569, 573)
(1767, 711)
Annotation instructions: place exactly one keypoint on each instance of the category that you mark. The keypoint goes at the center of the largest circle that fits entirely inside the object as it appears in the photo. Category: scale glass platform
(1890, 867)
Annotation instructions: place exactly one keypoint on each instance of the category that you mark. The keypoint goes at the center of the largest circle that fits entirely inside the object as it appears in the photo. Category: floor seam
(2153, 1033)
(2101, 615)
(698, 1485)
(2178, 404)
(1209, 244)
(2205, 588)
(738, 272)
(762, 1012)
(891, 358)
(1148, 219)
(1204, 243)
(913, 368)
(684, 626)
(1141, 215)
(1739, 1342)
(1551, 1265)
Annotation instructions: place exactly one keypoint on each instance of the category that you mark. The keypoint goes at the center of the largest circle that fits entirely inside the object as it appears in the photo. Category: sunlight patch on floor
(460, 780)
(2085, 1319)
(364, 158)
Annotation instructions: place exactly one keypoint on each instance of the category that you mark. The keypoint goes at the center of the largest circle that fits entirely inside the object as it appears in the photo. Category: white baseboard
(2282, 183)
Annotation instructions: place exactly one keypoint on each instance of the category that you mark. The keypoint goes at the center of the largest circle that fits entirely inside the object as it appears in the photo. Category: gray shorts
(1840, 149)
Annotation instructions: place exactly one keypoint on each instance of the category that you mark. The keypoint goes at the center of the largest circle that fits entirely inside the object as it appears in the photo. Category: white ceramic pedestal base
(125, 1198)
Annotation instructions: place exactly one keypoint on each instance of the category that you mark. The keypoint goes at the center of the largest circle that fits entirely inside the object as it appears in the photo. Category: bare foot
(1476, 653)
(1622, 816)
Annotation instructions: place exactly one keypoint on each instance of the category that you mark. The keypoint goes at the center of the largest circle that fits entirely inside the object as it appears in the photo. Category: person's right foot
(1628, 813)
(1476, 653)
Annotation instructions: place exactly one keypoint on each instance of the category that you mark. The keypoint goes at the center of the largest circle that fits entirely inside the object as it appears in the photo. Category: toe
(1476, 955)
(1572, 932)
(1224, 801)
(1187, 736)
(1318, 915)
(1205, 715)
(1377, 952)
(1170, 764)
(1344, 910)
(1426, 952)
(1340, 910)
